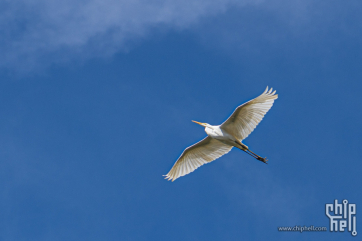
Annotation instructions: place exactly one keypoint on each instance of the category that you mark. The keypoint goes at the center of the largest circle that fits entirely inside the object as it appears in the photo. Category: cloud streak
(34, 31)
(39, 33)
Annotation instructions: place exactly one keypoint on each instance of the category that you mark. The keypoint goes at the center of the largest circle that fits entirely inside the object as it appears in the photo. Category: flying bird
(222, 138)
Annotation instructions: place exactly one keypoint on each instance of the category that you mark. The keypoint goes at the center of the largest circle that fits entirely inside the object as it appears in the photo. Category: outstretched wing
(197, 155)
(248, 115)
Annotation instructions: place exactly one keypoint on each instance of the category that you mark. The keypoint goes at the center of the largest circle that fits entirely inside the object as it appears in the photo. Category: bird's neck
(211, 130)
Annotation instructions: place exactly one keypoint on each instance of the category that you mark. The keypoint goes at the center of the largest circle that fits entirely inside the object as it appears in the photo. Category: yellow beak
(202, 124)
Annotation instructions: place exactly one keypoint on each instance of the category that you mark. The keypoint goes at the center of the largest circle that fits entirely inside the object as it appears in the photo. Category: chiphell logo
(342, 216)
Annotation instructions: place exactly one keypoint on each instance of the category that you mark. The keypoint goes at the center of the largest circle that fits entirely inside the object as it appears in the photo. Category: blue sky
(97, 100)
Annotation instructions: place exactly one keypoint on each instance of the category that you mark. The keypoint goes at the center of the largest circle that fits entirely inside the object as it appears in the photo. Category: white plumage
(221, 139)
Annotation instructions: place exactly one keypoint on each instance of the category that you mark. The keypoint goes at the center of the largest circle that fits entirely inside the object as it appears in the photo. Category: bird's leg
(258, 157)
(250, 154)
(247, 150)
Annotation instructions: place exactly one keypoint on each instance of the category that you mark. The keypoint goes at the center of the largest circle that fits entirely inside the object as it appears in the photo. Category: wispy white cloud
(33, 31)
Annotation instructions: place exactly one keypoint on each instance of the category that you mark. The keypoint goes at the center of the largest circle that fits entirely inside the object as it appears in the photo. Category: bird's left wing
(197, 155)
(248, 115)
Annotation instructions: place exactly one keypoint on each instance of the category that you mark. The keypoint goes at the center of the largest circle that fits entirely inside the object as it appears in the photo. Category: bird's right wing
(197, 155)
(248, 115)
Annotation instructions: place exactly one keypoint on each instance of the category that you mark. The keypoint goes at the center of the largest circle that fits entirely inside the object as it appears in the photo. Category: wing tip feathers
(270, 93)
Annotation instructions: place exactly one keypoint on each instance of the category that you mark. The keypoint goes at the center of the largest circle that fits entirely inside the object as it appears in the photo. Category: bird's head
(202, 124)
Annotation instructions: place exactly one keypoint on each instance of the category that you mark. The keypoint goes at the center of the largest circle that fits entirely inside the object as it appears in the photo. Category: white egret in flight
(222, 138)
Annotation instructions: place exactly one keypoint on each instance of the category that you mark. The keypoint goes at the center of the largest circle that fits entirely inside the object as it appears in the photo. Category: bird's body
(222, 138)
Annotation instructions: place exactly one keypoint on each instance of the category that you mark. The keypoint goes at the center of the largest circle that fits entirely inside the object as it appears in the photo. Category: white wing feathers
(248, 115)
(197, 155)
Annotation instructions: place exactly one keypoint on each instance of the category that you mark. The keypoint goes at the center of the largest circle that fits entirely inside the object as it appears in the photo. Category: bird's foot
(263, 159)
